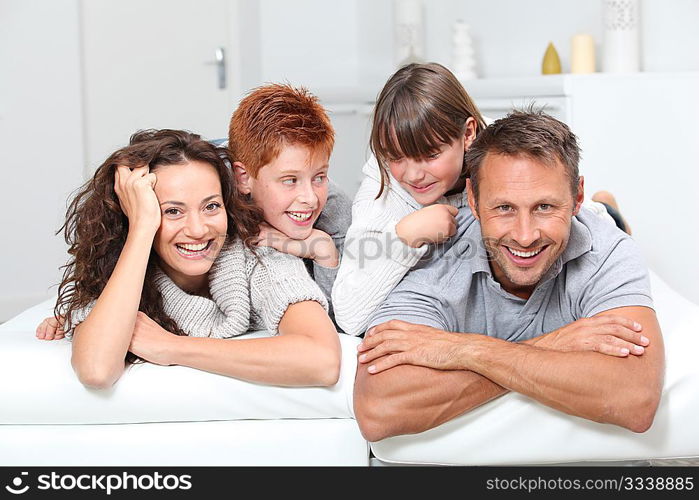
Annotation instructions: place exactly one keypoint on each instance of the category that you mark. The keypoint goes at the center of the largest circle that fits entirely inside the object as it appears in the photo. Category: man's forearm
(409, 399)
(585, 384)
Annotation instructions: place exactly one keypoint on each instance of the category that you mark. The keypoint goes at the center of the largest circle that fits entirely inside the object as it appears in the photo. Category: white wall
(41, 153)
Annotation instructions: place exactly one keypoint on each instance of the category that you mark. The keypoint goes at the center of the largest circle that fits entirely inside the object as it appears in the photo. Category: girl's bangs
(412, 131)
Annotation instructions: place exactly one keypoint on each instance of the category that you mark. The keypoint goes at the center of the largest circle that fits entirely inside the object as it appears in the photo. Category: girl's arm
(374, 258)
(101, 341)
(305, 353)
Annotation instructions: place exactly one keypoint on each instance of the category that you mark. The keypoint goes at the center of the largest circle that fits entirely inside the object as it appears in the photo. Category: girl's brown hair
(95, 228)
(420, 108)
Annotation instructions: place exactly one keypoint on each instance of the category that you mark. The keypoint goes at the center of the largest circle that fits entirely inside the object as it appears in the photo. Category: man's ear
(471, 198)
(470, 132)
(242, 178)
(580, 196)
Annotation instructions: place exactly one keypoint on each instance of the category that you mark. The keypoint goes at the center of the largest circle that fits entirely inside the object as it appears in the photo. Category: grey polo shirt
(453, 288)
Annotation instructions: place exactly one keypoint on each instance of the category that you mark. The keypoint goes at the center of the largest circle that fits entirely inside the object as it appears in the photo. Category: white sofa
(180, 416)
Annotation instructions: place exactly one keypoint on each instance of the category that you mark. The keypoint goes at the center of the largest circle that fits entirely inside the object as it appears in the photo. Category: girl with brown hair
(412, 190)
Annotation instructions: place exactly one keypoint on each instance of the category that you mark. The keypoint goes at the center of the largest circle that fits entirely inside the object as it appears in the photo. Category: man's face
(525, 208)
(291, 190)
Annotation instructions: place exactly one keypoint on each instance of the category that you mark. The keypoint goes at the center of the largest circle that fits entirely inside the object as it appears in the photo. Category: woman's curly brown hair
(95, 228)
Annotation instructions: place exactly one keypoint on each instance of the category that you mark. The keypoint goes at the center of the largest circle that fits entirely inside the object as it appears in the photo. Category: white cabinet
(639, 135)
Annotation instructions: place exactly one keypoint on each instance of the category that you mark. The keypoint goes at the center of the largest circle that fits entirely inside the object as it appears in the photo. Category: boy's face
(291, 190)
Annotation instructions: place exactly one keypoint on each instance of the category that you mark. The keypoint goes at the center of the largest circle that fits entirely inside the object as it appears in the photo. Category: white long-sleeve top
(374, 259)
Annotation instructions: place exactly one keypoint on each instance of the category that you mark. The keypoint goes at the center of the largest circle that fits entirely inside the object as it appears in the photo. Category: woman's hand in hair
(137, 198)
(431, 225)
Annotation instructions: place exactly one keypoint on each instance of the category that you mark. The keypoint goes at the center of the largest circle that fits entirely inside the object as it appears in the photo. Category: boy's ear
(242, 178)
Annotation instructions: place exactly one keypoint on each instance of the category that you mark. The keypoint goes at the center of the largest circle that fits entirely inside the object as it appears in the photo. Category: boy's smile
(291, 190)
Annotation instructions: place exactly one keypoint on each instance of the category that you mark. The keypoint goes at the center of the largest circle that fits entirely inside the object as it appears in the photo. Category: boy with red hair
(281, 139)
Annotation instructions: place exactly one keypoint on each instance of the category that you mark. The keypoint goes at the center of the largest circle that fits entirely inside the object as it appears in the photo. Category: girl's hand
(150, 341)
(134, 187)
(50, 329)
(434, 224)
(318, 246)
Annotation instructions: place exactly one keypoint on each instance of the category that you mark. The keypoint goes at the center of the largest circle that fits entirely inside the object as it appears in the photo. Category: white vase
(409, 32)
(463, 59)
(622, 24)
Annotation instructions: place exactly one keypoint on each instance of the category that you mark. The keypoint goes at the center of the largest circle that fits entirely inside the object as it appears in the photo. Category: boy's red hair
(275, 115)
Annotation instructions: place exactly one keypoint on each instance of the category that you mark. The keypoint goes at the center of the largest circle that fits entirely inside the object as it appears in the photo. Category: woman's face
(427, 180)
(193, 223)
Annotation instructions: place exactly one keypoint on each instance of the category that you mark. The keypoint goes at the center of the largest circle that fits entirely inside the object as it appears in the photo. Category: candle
(582, 58)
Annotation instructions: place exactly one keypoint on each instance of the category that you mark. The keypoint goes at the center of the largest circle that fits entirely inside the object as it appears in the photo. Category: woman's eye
(434, 156)
(213, 206)
(319, 178)
(172, 211)
(289, 182)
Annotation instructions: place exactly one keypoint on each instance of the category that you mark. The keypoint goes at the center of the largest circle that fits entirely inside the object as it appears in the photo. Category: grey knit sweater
(247, 293)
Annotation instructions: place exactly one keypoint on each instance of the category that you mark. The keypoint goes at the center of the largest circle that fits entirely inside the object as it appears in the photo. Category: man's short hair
(534, 134)
(273, 116)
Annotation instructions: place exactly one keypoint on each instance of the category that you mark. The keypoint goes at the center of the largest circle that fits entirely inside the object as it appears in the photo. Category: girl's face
(429, 179)
(291, 190)
(193, 222)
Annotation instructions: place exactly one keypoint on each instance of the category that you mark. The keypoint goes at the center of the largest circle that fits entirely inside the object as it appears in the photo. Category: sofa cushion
(43, 389)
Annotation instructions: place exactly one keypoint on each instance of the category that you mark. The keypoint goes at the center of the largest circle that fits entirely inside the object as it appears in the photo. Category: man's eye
(543, 207)
(503, 208)
(319, 178)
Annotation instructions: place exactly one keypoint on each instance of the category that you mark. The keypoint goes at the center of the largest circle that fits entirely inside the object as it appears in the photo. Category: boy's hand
(50, 329)
(319, 246)
(433, 224)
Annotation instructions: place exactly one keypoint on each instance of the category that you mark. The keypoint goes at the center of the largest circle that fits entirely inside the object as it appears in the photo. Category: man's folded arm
(624, 391)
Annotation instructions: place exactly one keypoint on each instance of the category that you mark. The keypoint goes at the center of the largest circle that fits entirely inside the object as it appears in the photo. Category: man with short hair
(532, 295)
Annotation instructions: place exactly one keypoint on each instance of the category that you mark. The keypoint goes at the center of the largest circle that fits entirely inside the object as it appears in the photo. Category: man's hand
(50, 329)
(150, 341)
(318, 246)
(398, 342)
(433, 224)
(608, 334)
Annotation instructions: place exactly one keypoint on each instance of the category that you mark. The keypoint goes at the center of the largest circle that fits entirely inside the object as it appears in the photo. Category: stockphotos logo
(107, 483)
(16, 487)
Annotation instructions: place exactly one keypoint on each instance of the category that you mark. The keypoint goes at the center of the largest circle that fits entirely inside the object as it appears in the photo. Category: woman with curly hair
(164, 269)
